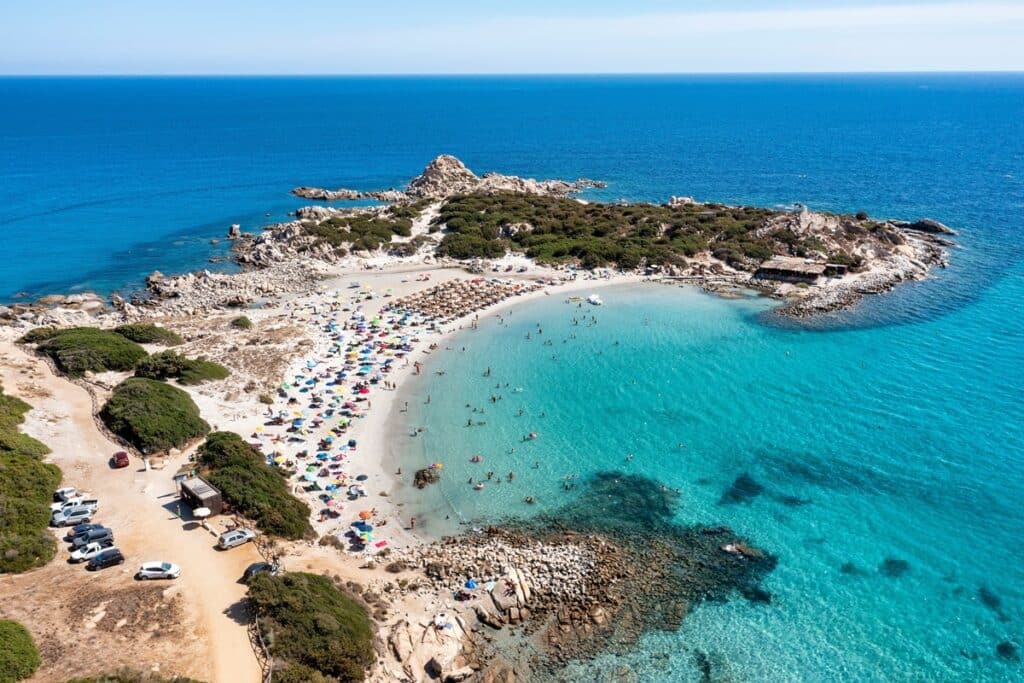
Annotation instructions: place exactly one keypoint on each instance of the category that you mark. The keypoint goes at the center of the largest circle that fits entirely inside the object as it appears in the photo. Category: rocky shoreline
(446, 176)
(291, 258)
(567, 587)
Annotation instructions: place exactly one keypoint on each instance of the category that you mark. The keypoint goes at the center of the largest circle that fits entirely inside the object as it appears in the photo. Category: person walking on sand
(412, 522)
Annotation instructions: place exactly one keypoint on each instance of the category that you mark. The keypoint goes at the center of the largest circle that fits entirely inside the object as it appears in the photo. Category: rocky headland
(446, 176)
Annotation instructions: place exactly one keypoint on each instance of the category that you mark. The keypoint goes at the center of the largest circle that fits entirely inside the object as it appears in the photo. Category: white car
(66, 493)
(74, 502)
(89, 551)
(158, 570)
(230, 539)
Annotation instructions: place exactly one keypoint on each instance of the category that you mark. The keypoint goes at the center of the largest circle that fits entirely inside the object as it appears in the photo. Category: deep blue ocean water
(893, 431)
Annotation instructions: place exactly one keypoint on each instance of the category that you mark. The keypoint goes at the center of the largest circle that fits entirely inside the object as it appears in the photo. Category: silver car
(75, 515)
(158, 570)
(230, 539)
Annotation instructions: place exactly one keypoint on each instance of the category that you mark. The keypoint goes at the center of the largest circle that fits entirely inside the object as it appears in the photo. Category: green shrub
(255, 489)
(168, 365)
(18, 655)
(78, 350)
(152, 416)
(299, 673)
(143, 333)
(133, 677)
(307, 621)
(38, 334)
(26, 490)
(242, 323)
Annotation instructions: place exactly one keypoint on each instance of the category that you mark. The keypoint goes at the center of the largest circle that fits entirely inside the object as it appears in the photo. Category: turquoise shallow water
(902, 442)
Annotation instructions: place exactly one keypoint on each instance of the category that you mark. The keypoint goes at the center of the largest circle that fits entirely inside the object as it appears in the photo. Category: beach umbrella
(471, 584)
(362, 477)
(365, 514)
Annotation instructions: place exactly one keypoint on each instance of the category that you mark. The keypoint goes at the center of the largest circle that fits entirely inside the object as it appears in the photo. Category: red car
(120, 460)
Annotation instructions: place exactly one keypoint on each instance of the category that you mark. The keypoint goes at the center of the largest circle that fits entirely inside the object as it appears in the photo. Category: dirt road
(71, 612)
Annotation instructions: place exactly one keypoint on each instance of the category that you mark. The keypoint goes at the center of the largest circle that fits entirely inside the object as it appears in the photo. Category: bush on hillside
(26, 490)
(255, 489)
(133, 677)
(308, 622)
(78, 350)
(144, 333)
(152, 416)
(559, 230)
(171, 365)
(242, 323)
(39, 334)
(19, 658)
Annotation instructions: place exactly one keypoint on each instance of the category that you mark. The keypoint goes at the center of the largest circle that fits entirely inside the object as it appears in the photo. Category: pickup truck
(78, 501)
(66, 493)
(71, 516)
(90, 550)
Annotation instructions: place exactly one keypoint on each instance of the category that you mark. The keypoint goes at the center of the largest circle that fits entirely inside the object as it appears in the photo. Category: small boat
(595, 300)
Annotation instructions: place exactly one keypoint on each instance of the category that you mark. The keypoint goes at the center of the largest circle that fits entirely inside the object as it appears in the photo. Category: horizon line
(534, 74)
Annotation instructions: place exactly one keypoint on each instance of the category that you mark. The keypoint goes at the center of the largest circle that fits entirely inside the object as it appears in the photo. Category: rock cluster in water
(593, 577)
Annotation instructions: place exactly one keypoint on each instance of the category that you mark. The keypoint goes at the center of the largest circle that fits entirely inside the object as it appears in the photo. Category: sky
(522, 37)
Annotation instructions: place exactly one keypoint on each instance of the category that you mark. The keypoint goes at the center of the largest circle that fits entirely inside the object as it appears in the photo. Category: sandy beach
(146, 513)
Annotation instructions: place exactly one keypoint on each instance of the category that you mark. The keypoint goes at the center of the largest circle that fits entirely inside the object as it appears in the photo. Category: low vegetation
(78, 350)
(310, 625)
(144, 333)
(556, 230)
(133, 677)
(362, 232)
(152, 416)
(255, 489)
(19, 658)
(26, 490)
(242, 323)
(170, 365)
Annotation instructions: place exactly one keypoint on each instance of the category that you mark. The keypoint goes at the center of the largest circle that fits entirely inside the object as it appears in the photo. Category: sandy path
(132, 503)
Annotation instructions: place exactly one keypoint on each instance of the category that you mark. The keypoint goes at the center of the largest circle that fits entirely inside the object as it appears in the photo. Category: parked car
(158, 570)
(79, 529)
(119, 460)
(95, 535)
(77, 501)
(230, 539)
(66, 493)
(257, 568)
(91, 550)
(71, 516)
(107, 558)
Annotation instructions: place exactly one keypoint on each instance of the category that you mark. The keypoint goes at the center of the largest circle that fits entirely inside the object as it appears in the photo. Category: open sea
(877, 453)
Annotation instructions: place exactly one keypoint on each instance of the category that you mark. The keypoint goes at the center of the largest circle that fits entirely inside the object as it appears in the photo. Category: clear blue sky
(519, 36)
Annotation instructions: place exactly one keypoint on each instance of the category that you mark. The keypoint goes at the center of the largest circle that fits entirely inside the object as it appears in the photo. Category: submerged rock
(425, 476)
(894, 567)
(1008, 651)
(743, 490)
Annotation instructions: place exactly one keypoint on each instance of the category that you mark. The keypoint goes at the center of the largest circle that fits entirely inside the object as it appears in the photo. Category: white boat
(595, 300)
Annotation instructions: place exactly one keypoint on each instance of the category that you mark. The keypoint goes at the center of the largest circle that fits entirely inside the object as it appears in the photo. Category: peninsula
(276, 387)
